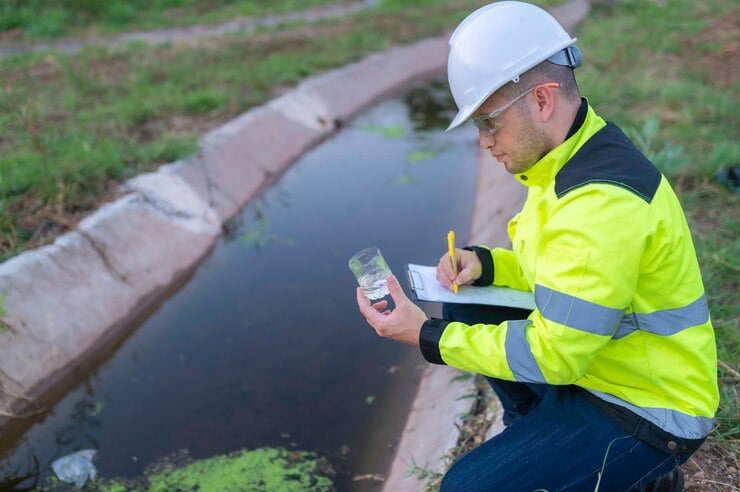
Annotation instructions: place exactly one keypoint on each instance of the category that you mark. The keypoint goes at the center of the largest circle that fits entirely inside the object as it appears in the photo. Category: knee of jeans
(461, 476)
(452, 481)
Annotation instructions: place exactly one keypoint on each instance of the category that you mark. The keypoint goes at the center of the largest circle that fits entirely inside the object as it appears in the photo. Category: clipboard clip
(415, 280)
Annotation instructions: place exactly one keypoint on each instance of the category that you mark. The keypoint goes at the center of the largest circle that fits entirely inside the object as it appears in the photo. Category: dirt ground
(722, 66)
(711, 469)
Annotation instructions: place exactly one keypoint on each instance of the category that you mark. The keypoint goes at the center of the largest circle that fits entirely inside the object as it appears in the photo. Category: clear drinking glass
(371, 271)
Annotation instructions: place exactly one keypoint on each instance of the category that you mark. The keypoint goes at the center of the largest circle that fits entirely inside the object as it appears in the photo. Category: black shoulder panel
(609, 157)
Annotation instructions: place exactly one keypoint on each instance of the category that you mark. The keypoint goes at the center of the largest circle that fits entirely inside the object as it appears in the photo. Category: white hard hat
(497, 43)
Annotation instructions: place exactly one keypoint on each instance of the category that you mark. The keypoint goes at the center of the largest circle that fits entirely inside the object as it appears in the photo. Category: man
(611, 382)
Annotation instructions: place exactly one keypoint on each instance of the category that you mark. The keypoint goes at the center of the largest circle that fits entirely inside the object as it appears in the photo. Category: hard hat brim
(461, 116)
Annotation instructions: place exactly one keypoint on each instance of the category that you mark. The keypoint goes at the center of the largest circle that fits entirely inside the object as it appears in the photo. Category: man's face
(518, 142)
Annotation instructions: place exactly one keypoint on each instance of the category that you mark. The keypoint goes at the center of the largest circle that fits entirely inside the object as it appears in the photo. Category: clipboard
(425, 287)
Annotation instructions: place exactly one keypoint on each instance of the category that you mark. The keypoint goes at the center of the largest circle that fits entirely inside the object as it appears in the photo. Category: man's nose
(486, 140)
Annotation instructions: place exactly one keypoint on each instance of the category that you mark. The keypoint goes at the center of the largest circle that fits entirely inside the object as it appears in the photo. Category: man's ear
(545, 98)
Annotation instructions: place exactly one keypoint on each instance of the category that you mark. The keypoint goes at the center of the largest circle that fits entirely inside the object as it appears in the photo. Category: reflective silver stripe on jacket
(519, 354)
(677, 423)
(666, 322)
(577, 313)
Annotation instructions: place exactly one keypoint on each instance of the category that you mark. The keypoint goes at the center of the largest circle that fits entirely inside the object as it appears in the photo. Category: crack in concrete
(211, 184)
(29, 334)
(61, 265)
(104, 257)
(165, 208)
(11, 391)
(98, 250)
(6, 326)
(97, 247)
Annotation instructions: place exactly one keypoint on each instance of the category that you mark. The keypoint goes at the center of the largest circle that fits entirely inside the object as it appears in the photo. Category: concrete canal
(263, 345)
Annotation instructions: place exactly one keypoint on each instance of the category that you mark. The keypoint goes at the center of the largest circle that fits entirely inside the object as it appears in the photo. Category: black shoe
(670, 482)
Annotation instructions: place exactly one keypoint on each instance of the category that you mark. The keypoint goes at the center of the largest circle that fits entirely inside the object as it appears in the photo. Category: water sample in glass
(374, 285)
(371, 271)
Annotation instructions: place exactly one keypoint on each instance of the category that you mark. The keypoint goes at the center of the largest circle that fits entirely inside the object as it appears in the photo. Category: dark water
(264, 346)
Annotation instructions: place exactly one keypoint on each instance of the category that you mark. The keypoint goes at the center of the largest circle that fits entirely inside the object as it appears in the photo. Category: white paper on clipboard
(424, 284)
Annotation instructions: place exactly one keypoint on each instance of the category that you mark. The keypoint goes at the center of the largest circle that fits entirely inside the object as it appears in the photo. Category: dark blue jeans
(555, 438)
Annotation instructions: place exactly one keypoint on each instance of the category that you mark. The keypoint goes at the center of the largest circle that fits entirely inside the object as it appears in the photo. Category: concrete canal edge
(66, 300)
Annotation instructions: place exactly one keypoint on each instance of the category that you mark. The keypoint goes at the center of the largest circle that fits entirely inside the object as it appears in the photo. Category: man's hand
(469, 268)
(403, 324)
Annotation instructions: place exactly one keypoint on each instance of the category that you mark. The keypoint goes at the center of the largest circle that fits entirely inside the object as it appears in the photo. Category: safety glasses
(489, 122)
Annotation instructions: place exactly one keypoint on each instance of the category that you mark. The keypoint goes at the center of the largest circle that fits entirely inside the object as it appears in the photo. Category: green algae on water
(392, 132)
(264, 469)
(268, 469)
(418, 156)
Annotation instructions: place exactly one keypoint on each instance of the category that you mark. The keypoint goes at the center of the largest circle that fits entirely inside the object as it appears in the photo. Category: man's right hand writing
(468, 267)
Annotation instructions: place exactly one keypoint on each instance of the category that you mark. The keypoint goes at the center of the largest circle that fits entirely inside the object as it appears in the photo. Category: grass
(74, 125)
(656, 61)
(3, 311)
(29, 20)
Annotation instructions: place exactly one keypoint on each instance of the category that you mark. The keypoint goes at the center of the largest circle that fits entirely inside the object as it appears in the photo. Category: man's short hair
(540, 74)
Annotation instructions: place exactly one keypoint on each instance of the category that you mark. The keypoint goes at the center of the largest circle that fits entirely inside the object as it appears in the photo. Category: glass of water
(371, 272)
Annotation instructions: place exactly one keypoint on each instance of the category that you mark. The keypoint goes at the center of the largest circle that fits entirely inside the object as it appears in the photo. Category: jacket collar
(585, 124)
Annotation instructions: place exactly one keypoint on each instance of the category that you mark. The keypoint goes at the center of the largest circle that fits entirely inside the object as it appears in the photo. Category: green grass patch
(44, 19)
(656, 69)
(3, 311)
(648, 64)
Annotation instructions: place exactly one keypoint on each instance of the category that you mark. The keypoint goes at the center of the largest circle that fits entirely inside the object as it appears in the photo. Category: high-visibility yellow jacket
(621, 312)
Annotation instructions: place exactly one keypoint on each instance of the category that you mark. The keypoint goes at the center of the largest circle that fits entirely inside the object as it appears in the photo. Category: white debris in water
(76, 467)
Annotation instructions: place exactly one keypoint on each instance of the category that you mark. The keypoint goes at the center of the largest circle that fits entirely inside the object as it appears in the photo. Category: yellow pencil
(453, 260)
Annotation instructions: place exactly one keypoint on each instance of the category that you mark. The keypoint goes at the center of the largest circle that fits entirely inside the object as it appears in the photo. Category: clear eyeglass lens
(487, 123)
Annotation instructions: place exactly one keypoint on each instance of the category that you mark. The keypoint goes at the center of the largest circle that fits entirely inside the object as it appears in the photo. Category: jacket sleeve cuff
(485, 256)
(431, 332)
